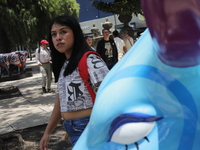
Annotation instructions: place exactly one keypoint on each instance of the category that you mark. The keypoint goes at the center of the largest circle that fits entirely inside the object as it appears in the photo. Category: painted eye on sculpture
(129, 128)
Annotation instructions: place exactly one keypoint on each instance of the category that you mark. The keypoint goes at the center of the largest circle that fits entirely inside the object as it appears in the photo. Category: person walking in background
(43, 59)
(121, 47)
(74, 103)
(89, 41)
(127, 39)
(107, 49)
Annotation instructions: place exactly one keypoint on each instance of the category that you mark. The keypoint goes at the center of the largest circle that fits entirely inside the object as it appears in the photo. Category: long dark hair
(79, 47)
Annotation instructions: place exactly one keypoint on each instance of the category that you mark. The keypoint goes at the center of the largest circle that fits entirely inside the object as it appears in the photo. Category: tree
(123, 8)
(25, 22)
(120, 7)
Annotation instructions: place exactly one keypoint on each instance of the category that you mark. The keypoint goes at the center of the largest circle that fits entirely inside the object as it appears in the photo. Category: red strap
(83, 70)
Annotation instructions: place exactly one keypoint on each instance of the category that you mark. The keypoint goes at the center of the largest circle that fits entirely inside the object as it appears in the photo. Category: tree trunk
(4, 42)
(125, 19)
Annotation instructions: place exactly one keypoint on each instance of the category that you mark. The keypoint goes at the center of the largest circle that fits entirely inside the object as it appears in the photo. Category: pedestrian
(89, 41)
(106, 47)
(43, 59)
(127, 39)
(121, 47)
(74, 103)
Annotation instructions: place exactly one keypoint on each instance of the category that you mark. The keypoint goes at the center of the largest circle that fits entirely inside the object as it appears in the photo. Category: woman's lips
(59, 44)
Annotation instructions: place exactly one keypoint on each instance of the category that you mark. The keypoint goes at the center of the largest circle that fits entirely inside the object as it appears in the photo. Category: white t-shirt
(72, 91)
(120, 44)
(43, 56)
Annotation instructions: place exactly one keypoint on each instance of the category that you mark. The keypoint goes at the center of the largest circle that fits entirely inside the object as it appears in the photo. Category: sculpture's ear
(175, 30)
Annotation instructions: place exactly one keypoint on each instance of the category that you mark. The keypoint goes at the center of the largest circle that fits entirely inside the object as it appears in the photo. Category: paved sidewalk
(32, 109)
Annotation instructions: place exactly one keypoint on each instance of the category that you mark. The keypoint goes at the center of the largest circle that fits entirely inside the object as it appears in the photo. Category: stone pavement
(32, 109)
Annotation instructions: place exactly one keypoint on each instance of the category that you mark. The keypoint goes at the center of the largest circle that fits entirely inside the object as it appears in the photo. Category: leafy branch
(120, 7)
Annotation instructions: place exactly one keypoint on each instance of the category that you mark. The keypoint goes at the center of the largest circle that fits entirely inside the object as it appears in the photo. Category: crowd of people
(113, 46)
(67, 47)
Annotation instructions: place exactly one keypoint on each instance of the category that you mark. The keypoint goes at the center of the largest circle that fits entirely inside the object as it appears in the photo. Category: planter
(125, 19)
(107, 24)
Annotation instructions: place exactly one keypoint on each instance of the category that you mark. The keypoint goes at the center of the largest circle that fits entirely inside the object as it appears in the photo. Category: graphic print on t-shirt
(75, 94)
(97, 68)
(109, 51)
(72, 91)
(96, 62)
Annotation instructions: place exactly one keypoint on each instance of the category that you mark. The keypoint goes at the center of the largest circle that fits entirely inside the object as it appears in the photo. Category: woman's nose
(58, 37)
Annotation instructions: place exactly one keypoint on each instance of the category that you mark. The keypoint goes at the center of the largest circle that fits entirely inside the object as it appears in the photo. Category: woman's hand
(44, 142)
(53, 121)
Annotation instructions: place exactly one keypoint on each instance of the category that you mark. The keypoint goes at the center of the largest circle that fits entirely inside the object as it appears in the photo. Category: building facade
(89, 17)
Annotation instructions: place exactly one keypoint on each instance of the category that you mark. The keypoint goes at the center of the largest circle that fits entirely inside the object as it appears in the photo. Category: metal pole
(115, 21)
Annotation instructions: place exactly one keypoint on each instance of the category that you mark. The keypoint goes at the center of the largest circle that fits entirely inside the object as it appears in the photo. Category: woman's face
(89, 41)
(62, 38)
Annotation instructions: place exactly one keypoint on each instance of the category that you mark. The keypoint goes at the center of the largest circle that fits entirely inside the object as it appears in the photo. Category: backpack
(83, 71)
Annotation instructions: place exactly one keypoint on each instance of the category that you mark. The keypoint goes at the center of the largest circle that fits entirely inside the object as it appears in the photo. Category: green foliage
(27, 21)
(120, 7)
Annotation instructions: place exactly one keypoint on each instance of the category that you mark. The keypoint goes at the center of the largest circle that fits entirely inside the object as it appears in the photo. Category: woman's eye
(63, 32)
(53, 34)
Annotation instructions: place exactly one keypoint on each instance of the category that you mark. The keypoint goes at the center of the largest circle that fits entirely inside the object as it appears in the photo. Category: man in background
(121, 47)
(107, 49)
(127, 39)
(43, 59)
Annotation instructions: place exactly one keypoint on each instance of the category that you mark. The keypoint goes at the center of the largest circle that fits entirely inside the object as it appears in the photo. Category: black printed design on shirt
(74, 91)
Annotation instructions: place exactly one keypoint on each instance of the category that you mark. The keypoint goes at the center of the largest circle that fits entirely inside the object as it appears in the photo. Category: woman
(74, 103)
(88, 40)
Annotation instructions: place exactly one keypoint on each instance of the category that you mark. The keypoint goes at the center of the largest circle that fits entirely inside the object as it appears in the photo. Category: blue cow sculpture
(14, 58)
(150, 100)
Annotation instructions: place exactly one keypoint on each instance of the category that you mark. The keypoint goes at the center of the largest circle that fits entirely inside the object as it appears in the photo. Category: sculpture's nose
(176, 31)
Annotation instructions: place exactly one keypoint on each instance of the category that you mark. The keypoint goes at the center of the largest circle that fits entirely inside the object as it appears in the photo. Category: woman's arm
(54, 120)
(97, 70)
(37, 57)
